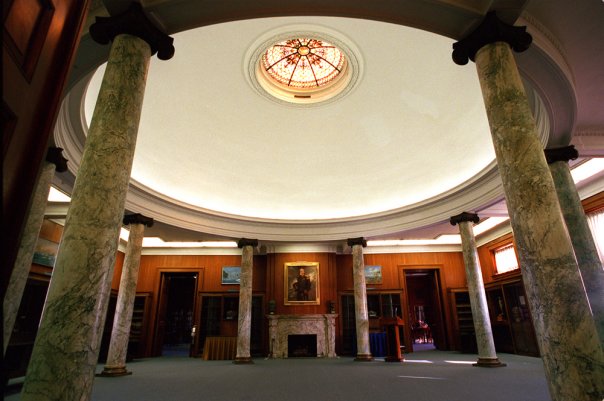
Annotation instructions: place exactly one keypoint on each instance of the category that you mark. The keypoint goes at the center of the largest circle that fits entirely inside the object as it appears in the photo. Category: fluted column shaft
(582, 239)
(487, 356)
(66, 348)
(122, 320)
(33, 224)
(244, 327)
(360, 301)
(566, 333)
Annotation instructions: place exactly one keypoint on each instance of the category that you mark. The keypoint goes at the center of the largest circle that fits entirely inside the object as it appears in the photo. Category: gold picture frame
(301, 283)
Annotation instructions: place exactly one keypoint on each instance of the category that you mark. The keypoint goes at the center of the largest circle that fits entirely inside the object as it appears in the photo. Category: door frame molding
(155, 348)
(441, 291)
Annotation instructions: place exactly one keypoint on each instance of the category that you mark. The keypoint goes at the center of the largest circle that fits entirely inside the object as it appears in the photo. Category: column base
(364, 358)
(243, 360)
(489, 363)
(114, 371)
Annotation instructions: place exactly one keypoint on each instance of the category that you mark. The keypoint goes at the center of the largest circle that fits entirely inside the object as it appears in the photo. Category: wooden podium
(393, 340)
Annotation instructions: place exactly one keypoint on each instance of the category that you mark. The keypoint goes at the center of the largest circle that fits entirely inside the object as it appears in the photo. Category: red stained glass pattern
(303, 62)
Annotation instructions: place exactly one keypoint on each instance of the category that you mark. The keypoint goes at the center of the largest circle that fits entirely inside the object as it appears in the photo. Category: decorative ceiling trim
(485, 188)
(545, 68)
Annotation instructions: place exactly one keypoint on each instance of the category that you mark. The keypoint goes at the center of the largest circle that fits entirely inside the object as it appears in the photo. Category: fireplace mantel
(323, 325)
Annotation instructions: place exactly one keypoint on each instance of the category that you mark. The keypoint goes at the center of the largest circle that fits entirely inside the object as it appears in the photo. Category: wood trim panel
(8, 121)
(594, 203)
(34, 102)
(26, 26)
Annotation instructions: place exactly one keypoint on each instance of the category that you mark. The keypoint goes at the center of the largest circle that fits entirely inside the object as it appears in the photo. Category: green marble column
(66, 350)
(580, 234)
(122, 320)
(360, 300)
(33, 224)
(487, 357)
(244, 326)
(566, 333)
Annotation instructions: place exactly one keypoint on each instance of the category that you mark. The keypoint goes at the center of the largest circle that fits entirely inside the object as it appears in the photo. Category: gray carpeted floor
(424, 376)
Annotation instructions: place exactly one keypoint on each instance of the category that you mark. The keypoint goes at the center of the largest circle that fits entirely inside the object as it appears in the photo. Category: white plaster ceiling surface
(413, 127)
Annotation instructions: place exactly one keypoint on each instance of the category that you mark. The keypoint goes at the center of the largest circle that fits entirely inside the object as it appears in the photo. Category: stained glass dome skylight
(303, 67)
(303, 62)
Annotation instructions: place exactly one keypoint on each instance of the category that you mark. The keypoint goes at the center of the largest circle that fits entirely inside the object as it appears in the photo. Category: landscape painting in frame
(373, 274)
(301, 281)
(231, 274)
(45, 252)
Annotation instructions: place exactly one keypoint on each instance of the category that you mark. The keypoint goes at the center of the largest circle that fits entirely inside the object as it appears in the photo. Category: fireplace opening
(301, 345)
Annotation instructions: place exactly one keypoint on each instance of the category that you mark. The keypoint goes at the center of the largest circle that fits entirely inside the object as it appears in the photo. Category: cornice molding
(375, 250)
(589, 131)
(497, 232)
(545, 40)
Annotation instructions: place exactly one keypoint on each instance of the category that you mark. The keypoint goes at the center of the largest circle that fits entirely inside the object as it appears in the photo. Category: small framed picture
(373, 274)
(231, 274)
(45, 253)
(301, 281)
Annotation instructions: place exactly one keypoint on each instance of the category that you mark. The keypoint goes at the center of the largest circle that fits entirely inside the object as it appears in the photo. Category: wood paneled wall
(51, 231)
(450, 263)
(594, 203)
(268, 279)
(210, 266)
(117, 270)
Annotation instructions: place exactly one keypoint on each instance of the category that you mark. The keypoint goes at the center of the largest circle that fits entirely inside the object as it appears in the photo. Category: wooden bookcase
(510, 318)
(139, 326)
(513, 330)
(465, 336)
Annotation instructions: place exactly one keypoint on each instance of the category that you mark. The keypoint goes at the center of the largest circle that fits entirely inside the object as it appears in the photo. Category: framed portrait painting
(301, 281)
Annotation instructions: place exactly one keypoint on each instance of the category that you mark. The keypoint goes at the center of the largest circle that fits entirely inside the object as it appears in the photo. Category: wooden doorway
(425, 308)
(175, 313)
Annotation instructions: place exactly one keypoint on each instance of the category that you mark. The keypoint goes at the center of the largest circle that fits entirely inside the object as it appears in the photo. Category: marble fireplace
(321, 325)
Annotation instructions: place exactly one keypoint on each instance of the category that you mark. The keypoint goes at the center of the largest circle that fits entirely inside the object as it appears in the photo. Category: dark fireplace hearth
(301, 345)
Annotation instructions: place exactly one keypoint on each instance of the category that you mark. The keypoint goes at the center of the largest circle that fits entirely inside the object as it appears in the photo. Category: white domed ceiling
(412, 126)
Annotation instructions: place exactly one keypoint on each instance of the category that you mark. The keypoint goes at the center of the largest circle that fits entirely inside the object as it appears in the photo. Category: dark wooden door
(162, 307)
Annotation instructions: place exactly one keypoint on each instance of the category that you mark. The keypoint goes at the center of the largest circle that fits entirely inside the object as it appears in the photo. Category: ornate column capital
(54, 156)
(490, 30)
(464, 216)
(247, 242)
(561, 154)
(137, 218)
(133, 22)
(357, 241)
